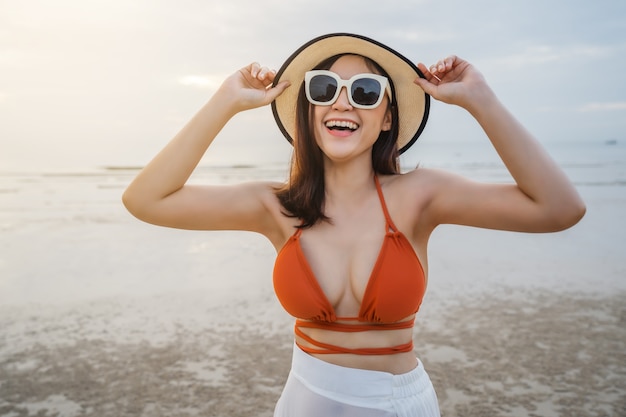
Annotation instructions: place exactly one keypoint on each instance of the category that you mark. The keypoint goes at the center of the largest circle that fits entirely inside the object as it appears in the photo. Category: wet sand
(101, 315)
(551, 355)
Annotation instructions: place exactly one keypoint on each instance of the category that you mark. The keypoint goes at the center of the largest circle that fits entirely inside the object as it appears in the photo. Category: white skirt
(316, 388)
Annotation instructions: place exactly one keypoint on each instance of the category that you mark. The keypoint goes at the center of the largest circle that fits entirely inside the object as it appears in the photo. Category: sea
(65, 235)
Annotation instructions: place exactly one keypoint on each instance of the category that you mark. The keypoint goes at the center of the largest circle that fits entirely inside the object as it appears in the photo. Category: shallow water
(67, 236)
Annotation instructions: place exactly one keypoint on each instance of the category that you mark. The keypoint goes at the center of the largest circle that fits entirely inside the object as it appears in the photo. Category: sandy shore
(550, 355)
(101, 315)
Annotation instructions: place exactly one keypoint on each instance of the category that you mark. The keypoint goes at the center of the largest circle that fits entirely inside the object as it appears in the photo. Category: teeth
(342, 123)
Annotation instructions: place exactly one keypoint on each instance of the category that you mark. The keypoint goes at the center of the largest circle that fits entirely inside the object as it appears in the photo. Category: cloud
(605, 106)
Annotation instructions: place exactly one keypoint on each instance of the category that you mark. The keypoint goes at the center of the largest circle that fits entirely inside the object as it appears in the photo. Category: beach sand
(101, 315)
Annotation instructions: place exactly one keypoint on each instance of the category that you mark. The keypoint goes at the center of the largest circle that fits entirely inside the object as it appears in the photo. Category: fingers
(429, 85)
(443, 66)
(263, 74)
(263, 78)
(427, 74)
(277, 90)
(437, 76)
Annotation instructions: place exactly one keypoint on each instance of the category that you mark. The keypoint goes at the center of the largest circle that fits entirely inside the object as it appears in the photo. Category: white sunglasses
(365, 91)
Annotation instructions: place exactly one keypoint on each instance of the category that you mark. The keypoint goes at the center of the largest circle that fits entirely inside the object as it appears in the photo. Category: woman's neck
(348, 182)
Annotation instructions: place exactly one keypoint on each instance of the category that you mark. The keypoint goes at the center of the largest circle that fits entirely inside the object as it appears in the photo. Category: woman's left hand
(453, 81)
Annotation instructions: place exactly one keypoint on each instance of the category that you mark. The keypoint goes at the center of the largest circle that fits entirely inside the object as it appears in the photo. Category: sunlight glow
(211, 82)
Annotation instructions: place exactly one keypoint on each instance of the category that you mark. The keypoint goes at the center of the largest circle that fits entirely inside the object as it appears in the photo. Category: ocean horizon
(592, 162)
(73, 202)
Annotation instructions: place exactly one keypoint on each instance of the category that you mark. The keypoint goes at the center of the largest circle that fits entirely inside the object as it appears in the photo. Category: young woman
(351, 232)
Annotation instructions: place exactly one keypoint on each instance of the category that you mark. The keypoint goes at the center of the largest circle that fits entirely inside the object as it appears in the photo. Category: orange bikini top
(394, 291)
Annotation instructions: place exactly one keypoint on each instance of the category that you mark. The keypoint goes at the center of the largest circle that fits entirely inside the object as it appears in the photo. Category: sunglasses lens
(322, 88)
(365, 91)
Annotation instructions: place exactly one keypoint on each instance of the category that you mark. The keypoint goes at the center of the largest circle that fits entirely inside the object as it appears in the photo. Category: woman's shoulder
(419, 187)
(409, 189)
(415, 179)
(408, 196)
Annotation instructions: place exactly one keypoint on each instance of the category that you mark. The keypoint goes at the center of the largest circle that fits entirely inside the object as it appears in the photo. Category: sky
(97, 83)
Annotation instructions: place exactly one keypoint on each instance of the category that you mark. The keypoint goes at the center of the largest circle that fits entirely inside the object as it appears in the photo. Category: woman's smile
(341, 127)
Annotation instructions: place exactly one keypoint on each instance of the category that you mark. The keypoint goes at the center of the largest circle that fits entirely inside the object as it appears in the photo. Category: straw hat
(413, 103)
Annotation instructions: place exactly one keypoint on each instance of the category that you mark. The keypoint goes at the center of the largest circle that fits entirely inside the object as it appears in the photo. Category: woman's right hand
(251, 87)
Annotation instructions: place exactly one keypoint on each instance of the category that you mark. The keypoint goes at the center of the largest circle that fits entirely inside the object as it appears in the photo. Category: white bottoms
(316, 388)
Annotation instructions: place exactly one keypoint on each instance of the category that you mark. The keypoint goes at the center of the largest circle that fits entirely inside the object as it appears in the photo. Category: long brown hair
(303, 195)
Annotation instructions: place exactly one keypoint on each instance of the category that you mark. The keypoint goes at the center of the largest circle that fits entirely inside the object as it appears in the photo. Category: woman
(351, 232)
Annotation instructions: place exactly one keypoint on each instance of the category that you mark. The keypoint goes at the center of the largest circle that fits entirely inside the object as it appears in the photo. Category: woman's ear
(387, 121)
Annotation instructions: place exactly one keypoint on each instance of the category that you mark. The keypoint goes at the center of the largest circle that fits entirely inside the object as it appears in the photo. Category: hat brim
(413, 103)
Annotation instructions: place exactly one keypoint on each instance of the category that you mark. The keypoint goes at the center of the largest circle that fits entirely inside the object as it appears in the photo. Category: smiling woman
(350, 231)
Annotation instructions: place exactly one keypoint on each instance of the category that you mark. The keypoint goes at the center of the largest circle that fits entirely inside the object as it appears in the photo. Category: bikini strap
(381, 197)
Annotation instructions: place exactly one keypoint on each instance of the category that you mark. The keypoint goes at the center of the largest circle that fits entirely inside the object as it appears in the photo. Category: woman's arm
(542, 198)
(159, 193)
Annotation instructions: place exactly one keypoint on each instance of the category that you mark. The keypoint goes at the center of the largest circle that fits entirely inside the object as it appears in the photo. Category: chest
(342, 258)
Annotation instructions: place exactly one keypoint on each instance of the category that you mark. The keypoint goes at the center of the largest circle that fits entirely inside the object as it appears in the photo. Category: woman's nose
(342, 102)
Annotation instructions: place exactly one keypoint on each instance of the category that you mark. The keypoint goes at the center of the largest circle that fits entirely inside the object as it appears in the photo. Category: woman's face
(343, 132)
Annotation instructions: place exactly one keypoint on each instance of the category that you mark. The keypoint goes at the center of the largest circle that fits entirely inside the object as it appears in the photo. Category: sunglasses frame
(382, 80)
